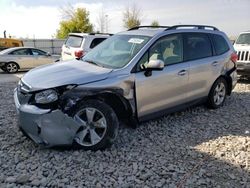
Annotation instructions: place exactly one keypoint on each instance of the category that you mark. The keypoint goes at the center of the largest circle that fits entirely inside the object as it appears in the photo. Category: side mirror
(48, 54)
(153, 65)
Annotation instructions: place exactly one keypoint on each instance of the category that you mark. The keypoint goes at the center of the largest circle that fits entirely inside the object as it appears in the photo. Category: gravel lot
(193, 148)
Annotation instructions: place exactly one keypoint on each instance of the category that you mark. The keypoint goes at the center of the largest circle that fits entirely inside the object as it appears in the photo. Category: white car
(23, 58)
(242, 46)
(78, 44)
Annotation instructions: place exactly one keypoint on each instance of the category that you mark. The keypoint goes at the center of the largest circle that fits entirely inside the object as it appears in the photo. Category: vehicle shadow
(196, 147)
(244, 80)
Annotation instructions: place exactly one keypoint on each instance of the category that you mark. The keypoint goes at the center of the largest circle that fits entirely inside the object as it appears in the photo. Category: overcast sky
(40, 18)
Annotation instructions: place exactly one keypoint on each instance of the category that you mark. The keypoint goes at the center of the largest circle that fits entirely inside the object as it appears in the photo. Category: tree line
(77, 20)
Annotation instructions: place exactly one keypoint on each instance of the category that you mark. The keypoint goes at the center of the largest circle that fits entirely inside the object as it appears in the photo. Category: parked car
(136, 75)
(78, 44)
(23, 58)
(242, 46)
(9, 43)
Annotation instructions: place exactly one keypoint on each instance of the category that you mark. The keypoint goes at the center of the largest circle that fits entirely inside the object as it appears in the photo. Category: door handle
(215, 63)
(182, 73)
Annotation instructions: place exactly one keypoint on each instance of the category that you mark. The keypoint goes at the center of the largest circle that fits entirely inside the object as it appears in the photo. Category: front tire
(11, 67)
(99, 125)
(217, 94)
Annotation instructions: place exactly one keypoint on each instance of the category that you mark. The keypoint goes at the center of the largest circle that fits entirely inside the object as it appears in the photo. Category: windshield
(116, 51)
(243, 39)
(74, 41)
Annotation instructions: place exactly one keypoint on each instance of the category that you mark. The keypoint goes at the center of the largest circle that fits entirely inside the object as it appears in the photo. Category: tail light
(234, 57)
(79, 53)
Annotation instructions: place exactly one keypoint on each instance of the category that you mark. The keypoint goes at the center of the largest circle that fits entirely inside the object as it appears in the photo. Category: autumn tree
(74, 21)
(132, 17)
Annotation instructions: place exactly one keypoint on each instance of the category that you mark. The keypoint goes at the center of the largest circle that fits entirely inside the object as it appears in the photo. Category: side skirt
(163, 112)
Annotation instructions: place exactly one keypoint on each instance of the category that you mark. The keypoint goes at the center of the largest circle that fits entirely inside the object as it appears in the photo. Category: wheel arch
(118, 103)
(121, 106)
(229, 83)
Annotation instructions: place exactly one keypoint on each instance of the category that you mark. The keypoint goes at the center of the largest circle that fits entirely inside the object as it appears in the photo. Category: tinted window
(197, 46)
(74, 41)
(38, 52)
(96, 41)
(20, 52)
(220, 44)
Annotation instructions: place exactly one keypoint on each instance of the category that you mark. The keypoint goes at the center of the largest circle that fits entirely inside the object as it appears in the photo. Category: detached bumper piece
(45, 127)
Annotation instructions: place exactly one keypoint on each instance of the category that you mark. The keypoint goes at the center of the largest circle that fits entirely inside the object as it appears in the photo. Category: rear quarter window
(74, 41)
(220, 44)
(96, 41)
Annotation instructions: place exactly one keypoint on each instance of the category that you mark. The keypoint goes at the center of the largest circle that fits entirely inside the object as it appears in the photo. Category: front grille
(243, 56)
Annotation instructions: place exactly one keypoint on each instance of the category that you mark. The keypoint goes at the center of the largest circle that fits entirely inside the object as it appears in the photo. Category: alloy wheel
(219, 93)
(11, 67)
(93, 126)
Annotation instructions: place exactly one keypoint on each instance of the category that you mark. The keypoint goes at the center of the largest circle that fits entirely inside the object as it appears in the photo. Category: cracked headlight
(47, 96)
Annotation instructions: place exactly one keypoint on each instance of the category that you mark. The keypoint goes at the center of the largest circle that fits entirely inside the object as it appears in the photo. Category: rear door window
(197, 46)
(74, 41)
(220, 44)
(96, 41)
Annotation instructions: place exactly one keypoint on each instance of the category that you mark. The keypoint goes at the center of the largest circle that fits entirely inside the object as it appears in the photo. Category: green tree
(155, 23)
(77, 21)
(131, 17)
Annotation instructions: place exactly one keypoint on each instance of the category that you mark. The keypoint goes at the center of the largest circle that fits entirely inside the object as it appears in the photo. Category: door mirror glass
(156, 64)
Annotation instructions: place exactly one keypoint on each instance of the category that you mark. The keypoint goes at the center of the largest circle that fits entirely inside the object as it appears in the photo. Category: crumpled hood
(64, 73)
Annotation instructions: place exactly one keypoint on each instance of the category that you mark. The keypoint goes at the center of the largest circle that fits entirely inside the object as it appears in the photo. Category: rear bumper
(45, 127)
(243, 68)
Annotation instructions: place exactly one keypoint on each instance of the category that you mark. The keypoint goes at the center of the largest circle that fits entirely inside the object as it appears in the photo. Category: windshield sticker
(135, 40)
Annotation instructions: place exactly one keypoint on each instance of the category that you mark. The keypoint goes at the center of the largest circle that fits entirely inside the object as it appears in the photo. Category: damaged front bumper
(44, 126)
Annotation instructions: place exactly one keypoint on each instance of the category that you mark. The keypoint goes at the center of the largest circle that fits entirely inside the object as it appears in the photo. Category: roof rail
(101, 34)
(193, 26)
(147, 26)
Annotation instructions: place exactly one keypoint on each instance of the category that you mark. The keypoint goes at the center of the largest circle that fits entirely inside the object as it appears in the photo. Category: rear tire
(99, 125)
(217, 94)
(11, 67)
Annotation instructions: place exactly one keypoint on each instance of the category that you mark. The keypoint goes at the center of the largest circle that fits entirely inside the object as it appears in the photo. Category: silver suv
(134, 75)
(79, 44)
